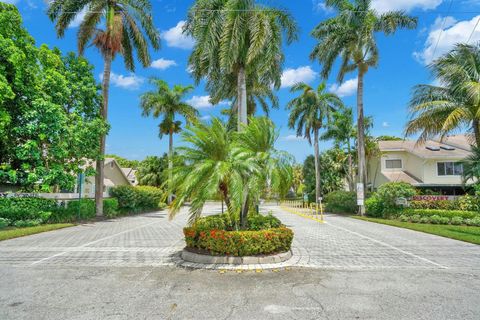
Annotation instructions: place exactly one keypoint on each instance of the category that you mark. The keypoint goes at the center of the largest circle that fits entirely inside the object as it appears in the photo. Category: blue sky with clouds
(403, 59)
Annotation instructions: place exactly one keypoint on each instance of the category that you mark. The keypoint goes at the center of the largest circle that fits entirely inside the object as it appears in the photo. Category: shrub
(425, 219)
(4, 223)
(110, 208)
(469, 203)
(442, 213)
(456, 221)
(261, 222)
(137, 199)
(239, 243)
(415, 218)
(390, 192)
(404, 218)
(84, 209)
(437, 205)
(435, 219)
(374, 207)
(27, 223)
(16, 209)
(341, 202)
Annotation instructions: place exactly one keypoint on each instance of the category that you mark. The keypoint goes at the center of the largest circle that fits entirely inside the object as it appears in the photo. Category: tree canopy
(49, 110)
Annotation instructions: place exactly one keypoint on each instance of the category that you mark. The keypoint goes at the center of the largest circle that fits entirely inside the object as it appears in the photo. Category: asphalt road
(343, 269)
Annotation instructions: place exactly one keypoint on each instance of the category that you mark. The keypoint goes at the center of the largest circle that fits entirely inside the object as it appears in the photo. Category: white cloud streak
(163, 64)
(290, 77)
(346, 89)
(130, 82)
(175, 38)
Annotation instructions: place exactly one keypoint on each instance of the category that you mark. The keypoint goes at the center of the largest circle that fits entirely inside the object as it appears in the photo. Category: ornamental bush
(442, 213)
(341, 202)
(15, 209)
(4, 223)
(437, 205)
(239, 243)
(138, 199)
(388, 193)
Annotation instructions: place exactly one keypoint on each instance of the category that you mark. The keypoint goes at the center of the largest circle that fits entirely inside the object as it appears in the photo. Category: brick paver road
(152, 240)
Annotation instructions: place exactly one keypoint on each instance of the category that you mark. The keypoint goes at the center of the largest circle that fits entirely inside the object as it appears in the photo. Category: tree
(238, 39)
(151, 171)
(297, 180)
(167, 102)
(123, 162)
(350, 37)
(455, 102)
(471, 166)
(309, 113)
(49, 111)
(128, 24)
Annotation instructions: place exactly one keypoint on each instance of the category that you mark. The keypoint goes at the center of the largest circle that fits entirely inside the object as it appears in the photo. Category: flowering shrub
(239, 243)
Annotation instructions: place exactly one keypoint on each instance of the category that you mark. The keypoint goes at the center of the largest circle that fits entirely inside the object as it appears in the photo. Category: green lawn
(462, 233)
(21, 232)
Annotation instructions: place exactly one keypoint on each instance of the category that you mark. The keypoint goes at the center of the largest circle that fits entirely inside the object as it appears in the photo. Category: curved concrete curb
(207, 259)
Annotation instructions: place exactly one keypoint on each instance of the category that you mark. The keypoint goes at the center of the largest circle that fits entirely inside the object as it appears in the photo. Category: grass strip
(21, 232)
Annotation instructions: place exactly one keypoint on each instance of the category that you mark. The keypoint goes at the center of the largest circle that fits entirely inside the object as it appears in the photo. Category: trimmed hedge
(239, 243)
(84, 209)
(255, 222)
(341, 202)
(441, 213)
(454, 217)
(464, 203)
(138, 199)
(15, 209)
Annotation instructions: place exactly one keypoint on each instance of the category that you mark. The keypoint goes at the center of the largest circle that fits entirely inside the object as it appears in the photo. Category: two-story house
(433, 165)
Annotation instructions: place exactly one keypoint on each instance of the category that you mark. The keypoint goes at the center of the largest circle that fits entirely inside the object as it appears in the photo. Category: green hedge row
(454, 217)
(341, 202)
(138, 199)
(464, 203)
(239, 243)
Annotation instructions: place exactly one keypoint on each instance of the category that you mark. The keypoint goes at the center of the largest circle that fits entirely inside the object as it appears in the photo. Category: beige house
(131, 174)
(434, 165)
(114, 176)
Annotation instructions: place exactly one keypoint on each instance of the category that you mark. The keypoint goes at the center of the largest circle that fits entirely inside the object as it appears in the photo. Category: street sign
(360, 194)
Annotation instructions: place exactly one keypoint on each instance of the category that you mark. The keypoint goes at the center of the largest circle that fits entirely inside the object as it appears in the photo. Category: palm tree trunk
(100, 174)
(476, 131)
(361, 140)
(351, 184)
(318, 185)
(170, 165)
(242, 98)
(242, 119)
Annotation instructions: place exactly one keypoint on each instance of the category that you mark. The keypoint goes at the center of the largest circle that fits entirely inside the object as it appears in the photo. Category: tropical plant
(298, 179)
(471, 166)
(309, 113)
(167, 102)
(238, 39)
(123, 162)
(49, 111)
(124, 22)
(452, 104)
(350, 37)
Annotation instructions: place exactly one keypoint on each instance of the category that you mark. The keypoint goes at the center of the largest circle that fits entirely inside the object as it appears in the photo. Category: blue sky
(403, 58)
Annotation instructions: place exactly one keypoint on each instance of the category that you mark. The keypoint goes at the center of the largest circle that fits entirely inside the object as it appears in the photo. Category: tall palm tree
(350, 37)
(167, 102)
(309, 113)
(342, 131)
(238, 39)
(471, 166)
(128, 24)
(455, 102)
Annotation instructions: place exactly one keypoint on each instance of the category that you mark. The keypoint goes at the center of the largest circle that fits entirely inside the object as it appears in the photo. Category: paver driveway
(342, 269)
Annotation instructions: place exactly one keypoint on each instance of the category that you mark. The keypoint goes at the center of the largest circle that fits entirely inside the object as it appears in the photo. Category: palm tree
(342, 131)
(471, 166)
(455, 102)
(167, 102)
(151, 171)
(127, 25)
(308, 115)
(238, 39)
(350, 36)
(211, 166)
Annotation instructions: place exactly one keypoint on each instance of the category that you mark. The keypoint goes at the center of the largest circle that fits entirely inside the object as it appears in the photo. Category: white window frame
(392, 159)
(448, 175)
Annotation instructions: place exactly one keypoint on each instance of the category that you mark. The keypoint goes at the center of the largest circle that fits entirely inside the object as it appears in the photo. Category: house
(131, 175)
(434, 165)
(114, 176)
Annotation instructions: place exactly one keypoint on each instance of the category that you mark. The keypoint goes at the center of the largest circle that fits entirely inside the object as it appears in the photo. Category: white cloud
(405, 5)
(131, 82)
(292, 137)
(78, 19)
(290, 77)
(205, 118)
(176, 39)
(346, 89)
(10, 1)
(320, 6)
(203, 102)
(163, 64)
(385, 124)
(454, 32)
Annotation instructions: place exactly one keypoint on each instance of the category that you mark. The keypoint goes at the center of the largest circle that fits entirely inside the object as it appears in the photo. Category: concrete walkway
(342, 269)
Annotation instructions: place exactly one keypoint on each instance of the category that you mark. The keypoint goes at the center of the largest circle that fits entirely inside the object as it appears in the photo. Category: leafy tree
(309, 113)
(389, 138)
(334, 167)
(350, 37)
(167, 102)
(123, 162)
(237, 40)
(49, 110)
(151, 171)
(455, 102)
(297, 179)
(128, 24)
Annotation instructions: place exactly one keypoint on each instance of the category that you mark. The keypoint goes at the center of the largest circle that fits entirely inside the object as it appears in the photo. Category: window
(393, 164)
(449, 168)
